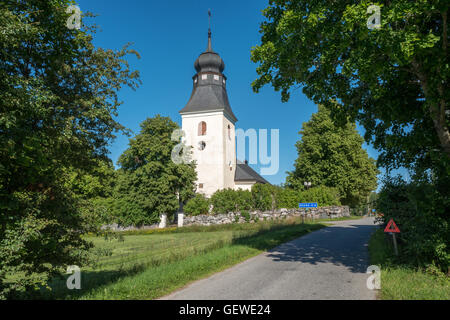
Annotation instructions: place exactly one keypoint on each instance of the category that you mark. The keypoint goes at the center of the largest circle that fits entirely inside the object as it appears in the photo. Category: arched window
(229, 132)
(202, 128)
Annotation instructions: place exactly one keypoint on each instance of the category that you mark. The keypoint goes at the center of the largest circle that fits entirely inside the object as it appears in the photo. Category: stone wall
(316, 213)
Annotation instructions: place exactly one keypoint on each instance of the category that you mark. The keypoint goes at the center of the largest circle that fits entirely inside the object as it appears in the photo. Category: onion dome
(209, 61)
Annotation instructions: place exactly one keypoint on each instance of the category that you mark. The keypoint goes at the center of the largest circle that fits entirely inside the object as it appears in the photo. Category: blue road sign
(308, 205)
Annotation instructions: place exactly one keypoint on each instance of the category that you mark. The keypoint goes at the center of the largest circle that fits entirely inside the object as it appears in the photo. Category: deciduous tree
(332, 155)
(394, 79)
(58, 102)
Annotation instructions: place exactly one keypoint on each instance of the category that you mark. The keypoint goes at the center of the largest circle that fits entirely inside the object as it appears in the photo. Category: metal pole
(395, 244)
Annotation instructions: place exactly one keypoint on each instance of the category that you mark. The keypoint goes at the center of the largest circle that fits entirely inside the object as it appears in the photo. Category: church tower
(209, 124)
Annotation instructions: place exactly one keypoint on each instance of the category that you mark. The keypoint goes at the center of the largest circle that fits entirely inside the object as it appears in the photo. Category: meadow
(150, 264)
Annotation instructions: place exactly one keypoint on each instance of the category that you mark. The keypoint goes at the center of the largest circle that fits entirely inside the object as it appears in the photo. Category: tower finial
(209, 32)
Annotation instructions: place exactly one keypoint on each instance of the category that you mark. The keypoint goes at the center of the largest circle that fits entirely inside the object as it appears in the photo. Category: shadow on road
(340, 245)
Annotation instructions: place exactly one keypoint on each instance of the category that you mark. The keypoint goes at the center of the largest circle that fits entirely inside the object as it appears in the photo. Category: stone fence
(207, 220)
(316, 213)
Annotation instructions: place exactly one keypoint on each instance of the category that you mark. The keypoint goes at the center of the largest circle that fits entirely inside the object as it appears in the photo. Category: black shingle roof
(245, 173)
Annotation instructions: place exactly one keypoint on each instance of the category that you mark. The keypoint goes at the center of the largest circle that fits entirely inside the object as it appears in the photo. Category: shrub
(246, 215)
(244, 200)
(324, 196)
(264, 197)
(197, 205)
(224, 201)
(421, 213)
(287, 198)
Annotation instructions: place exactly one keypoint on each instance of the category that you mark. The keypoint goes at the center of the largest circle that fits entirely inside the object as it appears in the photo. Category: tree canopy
(393, 79)
(58, 102)
(331, 155)
(150, 183)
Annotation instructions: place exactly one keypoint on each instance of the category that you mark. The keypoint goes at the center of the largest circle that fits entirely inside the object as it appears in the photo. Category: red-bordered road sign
(392, 227)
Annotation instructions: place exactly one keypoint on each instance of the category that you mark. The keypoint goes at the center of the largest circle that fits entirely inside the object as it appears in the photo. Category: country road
(330, 263)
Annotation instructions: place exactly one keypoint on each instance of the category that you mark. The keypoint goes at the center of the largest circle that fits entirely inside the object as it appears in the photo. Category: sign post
(307, 206)
(393, 229)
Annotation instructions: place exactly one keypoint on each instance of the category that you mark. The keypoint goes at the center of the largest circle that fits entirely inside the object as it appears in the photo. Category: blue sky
(169, 35)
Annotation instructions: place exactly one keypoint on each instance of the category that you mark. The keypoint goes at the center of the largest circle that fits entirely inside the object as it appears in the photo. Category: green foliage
(331, 155)
(244, 200)
(246, 215)
(287, 198)
(324, 196)
(197, 205)
(264, 197)
(149, 181)
(421, 213)
(405, 282)
(225, 201)
(58, 105)
(393, 80)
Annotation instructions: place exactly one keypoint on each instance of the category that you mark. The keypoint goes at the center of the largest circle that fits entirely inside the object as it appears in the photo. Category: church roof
(245, 173)
(209, 92)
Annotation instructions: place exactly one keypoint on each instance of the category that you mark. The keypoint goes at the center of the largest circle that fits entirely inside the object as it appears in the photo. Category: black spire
(209, 93)
(209, 49)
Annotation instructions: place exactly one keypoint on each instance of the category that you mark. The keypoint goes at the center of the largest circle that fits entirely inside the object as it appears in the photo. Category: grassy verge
(341, 219)
(403, 282)
(148, 266)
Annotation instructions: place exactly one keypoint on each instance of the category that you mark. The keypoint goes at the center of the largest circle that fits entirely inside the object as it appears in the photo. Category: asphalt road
(330, 263)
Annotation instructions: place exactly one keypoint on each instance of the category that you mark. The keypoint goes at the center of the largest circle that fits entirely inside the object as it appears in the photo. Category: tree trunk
(437, 110)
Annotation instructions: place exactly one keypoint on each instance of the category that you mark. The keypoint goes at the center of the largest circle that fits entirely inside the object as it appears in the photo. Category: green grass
(341, 219)
(147, 266)
(402, 282)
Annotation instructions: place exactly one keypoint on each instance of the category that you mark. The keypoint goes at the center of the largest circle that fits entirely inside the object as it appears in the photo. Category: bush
(244, 200)
(224, 201)
(246, 215)
(264, 197)
(324, 196)
(287, 198)
(197, 205)
(421, 213)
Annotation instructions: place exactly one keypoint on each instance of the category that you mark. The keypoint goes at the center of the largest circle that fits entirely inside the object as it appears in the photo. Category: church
(209, 127)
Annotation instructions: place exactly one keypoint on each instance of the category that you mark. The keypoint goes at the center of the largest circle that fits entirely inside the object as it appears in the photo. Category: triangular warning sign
(392, 227)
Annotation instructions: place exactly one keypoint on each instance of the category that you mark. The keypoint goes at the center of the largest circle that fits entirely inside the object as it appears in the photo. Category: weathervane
(209, 19)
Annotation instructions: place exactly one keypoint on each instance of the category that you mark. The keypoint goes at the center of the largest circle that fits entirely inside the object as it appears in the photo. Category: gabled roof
(245, 173)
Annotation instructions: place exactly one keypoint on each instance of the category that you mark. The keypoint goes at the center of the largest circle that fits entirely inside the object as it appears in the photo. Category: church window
(216, 77)
(229, 132)
(202, 128)
(204, 76)
(201, 145)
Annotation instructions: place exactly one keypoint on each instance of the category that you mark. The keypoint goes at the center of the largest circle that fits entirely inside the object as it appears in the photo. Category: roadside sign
(392, 227)
(308, 205)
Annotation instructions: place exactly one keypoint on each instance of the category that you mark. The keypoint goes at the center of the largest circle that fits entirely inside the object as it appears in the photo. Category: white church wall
(244, 185)
(210, 163)
(229, 141)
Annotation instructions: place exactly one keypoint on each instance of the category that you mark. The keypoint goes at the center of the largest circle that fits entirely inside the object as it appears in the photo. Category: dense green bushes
(421, 212)
(263, 197)
(197, 205)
